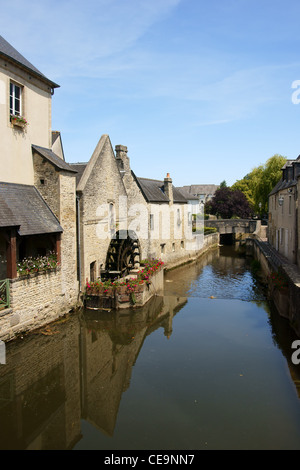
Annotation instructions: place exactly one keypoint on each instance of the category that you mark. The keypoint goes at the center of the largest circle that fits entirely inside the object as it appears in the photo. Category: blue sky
(198, 89)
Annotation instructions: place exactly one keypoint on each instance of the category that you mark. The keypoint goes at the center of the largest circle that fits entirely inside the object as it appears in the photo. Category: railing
(4, 294)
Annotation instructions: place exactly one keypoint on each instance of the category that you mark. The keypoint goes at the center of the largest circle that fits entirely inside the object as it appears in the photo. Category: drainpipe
(78, 240)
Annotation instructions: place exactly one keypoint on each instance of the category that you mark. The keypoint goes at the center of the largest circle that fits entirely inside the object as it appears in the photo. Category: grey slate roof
(199, 189)
(53, 158)
(22, 205)
(185, 192)
(8, 51)
(153, 191)
(79, 167)
(282, 184)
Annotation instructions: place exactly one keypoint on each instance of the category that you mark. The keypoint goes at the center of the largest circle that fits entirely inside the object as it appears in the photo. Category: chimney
(168, 188)
(122, 159)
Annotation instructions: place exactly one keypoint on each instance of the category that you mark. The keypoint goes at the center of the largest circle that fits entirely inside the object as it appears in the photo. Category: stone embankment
(283, 279)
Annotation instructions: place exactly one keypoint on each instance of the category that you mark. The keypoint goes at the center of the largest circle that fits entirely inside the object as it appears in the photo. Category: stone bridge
(235, 228)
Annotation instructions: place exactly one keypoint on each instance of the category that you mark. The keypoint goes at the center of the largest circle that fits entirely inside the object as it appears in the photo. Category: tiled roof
(79, 167)
(199, 189)
(22, 205)
(11, 53)
(185, 192)
(53, 158)
(153, 191)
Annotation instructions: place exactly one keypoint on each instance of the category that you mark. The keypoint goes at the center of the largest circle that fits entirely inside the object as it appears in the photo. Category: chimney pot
(168, 188)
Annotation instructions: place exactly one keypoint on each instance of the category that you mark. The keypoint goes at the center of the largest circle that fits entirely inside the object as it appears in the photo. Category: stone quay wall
(286, 298)
(200, 244)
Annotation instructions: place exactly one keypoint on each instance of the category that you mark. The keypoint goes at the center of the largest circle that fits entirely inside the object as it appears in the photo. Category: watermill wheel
(123, 254)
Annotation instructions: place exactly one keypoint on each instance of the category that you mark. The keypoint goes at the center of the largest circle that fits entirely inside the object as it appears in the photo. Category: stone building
(283, 224)
(98, 217)
(202, 192)
(37, 199)
(99, 191)
(124, 219)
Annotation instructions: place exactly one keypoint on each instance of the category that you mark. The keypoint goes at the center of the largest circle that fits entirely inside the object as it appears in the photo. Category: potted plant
(19, 121)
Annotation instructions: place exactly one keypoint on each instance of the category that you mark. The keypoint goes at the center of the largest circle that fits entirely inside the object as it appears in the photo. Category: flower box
(18, 121)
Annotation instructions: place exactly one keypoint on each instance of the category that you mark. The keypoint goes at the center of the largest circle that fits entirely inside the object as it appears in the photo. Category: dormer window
(15, 99)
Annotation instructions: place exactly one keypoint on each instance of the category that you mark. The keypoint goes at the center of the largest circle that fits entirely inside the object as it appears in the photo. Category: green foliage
(258, 184)
(39, 264)
(148, 268)
(206, 230)
(229, 203)
(278, 280)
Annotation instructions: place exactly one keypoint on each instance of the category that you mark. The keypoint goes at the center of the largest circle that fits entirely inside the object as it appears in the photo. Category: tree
(228, 203)
(258, 184)
(271, 174)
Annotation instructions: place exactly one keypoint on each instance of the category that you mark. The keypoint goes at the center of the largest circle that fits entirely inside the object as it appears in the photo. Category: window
(93, 271)
(281, 235)
(151, 221)
(111, 218)
(290, 205)
(15, 100)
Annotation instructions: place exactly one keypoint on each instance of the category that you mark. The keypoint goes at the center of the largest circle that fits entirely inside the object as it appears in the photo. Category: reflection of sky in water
(232, 285)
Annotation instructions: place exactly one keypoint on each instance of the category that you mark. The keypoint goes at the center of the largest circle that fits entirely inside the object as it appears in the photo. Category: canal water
(206, 366)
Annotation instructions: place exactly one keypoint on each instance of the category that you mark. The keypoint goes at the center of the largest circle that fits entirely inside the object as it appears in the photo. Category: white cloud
(70, 37)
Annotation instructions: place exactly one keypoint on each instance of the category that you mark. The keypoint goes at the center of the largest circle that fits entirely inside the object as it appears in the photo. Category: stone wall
(67, 218)
(43, 297)
(58, 189)
(34, 301)
(170, 237)
(236, 226)
(100, 186)
(200, 245)
(46, 180)
(287, 299)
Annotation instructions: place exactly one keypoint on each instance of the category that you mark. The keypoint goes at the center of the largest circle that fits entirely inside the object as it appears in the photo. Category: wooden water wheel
(123, 254)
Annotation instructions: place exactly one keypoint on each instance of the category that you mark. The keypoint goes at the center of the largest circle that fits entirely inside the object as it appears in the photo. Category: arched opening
(123, 255)
(227, 238)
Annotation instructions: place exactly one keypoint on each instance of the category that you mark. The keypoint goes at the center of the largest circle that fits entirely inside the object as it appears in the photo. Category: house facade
(283, 227)
(37, 200)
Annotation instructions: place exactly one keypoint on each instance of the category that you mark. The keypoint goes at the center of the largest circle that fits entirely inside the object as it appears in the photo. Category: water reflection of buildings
(224, 261)
(72, 371)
